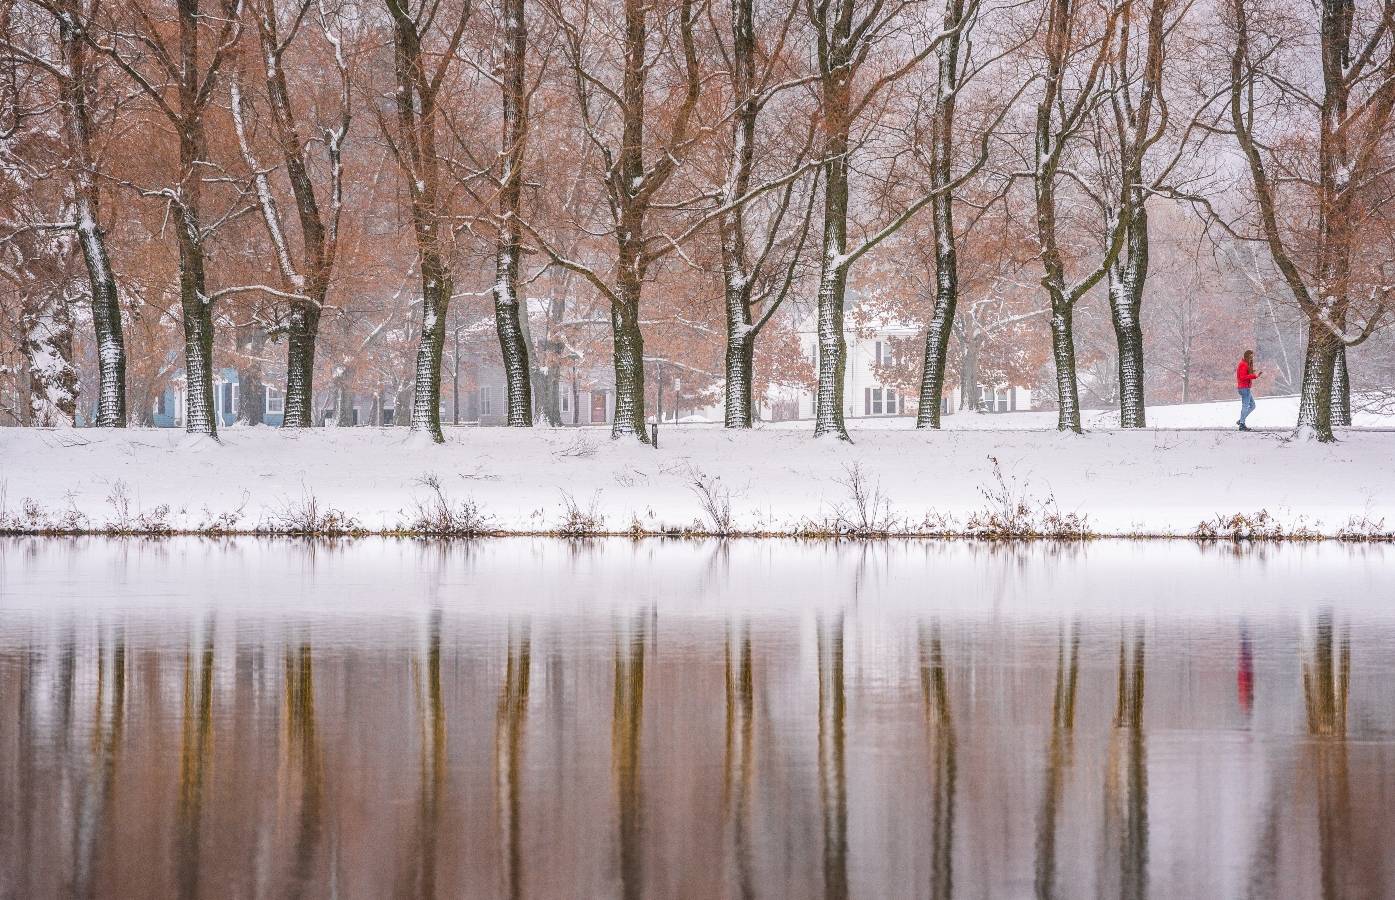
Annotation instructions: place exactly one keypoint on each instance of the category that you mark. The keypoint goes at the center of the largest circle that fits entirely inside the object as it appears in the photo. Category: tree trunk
(1125, 302)
(736, 274)
(401, 415)
(106, 310)
(344, 399)
(932, 381)
(302, 332)
(740, 368)
(508, 307)
(1063, 353)
(51, 384)
(437, 286)
(832, 294)
(629, 363)
(197, 312)
(251, 408)
(968, 374)
(1315, 400)
(194, 302)
(1341, 389)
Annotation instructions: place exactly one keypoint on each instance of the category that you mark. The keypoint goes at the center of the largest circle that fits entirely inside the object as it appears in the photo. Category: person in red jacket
(1245, 376)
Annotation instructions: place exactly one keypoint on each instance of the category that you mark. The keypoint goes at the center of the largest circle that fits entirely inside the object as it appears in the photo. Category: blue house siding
(168, 412)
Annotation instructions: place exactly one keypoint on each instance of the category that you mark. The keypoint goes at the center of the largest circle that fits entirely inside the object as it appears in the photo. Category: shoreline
(703, 482)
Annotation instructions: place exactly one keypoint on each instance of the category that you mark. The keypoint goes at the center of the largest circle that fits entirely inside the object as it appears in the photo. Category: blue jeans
(1247, 404)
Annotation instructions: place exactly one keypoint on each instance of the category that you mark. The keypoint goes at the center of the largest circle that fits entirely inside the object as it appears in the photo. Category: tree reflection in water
(1058, 756)
(814, 746)
(1125, 819)
(195, 748)
(303, 746)
(939, 723)
(740, 729)
(833, 789)
(1326, 681)
(627, 720)
(509, 724)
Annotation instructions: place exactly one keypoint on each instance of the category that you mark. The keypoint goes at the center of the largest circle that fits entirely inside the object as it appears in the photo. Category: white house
(866, 396)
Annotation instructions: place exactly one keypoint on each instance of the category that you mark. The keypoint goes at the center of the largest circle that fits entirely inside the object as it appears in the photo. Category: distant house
(866, 396)
(227, 401)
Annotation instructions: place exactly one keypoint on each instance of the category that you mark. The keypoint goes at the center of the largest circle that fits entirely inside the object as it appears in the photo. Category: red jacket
(1244, 376)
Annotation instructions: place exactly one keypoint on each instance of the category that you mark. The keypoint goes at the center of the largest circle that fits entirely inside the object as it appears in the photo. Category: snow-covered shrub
(1012, 512)
(1364, 528)
(439, 517)
(306, 517)
(1255, 526)
(867, 511)
(715, 500)
(581, 522)
(132, 520)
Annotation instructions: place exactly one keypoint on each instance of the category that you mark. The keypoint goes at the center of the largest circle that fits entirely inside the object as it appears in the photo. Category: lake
(542, 718)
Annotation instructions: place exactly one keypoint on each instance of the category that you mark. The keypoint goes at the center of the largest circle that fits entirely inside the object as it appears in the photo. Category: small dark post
(654, 434)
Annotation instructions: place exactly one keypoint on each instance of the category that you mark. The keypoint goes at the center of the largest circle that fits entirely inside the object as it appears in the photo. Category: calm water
(544, 719)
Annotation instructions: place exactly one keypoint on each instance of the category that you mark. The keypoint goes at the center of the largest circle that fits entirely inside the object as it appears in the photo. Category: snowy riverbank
(1160, 481)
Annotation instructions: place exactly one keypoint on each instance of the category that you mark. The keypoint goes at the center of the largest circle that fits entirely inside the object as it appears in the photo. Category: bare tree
(306, 276)
(1140, 119)
(848, 36)
(1348, 190)
(75, 77)
(754, 286)
(181, 68)
(635, 169)
(419, 76)
(942, 133)
(1074, 60)
(510, 310)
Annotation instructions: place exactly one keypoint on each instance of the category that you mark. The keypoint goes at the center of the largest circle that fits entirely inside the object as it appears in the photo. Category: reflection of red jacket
(1244, 377)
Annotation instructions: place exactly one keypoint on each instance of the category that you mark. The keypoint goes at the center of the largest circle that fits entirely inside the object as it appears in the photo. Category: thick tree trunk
(436, 289)
(1125, 302)
(629, 364)
(736, 273)
(197, 312)
(51, 385)
(508, 306)
(106, 309)
(739, 370)
(1341, 389)
(512, 345)
(195, 304)
(828, 419)
(1315, 399)
(302, 333)
(1063, 353)
(932, 380)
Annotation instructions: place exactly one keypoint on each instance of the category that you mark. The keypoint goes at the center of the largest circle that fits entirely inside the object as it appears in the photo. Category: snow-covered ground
(1163, 480)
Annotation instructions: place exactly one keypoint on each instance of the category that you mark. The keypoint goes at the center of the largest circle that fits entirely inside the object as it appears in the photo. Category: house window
(162, 404)
(486, 400)
(880, 402)
(235, 395)
(566, 401)
(275, 401)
